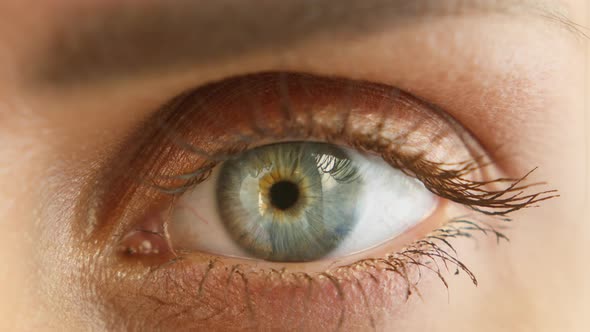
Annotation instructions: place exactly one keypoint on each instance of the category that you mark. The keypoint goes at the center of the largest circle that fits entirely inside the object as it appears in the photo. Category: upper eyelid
(191, 102)
(493, 202)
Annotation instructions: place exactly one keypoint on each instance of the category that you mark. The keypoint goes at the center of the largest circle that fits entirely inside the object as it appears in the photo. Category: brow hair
(110, 42)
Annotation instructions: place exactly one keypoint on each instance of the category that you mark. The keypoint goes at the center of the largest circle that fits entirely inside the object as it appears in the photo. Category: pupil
(284, 194)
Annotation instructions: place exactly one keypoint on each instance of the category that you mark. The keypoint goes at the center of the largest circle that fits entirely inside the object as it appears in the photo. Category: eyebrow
(132, 39)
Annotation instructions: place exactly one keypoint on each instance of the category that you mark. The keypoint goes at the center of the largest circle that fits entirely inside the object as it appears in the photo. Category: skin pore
(79, 78)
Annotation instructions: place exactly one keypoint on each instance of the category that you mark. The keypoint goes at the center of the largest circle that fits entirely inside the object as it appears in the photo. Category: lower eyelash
(432, 254)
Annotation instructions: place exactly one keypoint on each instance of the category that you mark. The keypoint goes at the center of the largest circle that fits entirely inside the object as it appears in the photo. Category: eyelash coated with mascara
(202, 129)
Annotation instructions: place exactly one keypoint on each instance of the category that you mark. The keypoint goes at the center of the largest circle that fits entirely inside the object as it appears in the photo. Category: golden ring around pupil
(265, 185)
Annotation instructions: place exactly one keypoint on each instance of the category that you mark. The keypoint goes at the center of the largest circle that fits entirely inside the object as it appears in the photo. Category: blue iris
(289, 201)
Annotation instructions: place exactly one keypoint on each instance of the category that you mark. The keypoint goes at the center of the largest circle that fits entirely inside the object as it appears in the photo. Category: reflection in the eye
(184, 147)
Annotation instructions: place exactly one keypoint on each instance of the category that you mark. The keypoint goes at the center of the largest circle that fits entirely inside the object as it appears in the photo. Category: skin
(492, 72)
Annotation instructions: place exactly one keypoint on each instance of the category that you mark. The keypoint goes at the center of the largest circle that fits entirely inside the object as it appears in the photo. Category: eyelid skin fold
(177, 149)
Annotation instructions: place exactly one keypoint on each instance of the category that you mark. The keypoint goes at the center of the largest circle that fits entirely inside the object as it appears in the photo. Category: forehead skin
(30, 123)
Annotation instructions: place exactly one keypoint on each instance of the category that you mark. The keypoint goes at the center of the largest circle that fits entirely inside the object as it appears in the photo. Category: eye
(291, 188)
(298, 201)
(296, 168)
